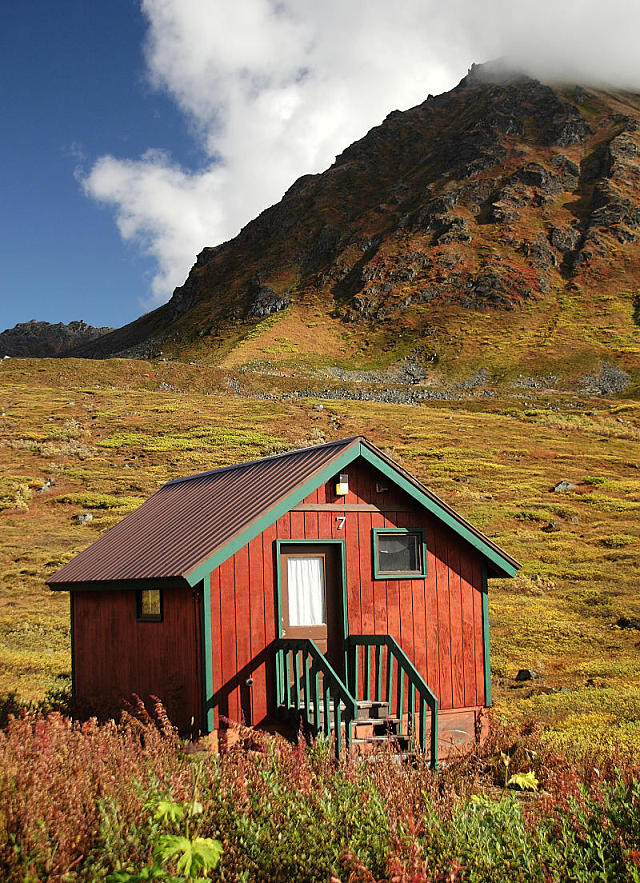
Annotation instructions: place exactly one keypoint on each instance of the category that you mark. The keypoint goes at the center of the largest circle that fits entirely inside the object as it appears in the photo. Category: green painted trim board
(206, 650)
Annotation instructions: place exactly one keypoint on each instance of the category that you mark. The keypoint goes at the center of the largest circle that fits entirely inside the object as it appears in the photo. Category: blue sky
(73, 86)
(136, 132)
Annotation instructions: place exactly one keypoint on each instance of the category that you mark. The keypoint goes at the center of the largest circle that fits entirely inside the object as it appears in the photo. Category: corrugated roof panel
(189, 519)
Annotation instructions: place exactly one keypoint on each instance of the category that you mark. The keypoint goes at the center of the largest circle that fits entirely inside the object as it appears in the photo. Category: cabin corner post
(485, 637)
(72, 637)
(206, 655)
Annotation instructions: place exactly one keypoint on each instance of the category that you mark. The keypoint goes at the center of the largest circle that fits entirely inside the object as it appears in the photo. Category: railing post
(434, 735)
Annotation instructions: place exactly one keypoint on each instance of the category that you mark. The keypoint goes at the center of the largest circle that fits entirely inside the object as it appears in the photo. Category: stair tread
(386, 737)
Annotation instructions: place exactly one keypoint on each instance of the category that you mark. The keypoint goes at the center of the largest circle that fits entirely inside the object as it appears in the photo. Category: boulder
(527, 674)
(562, 486)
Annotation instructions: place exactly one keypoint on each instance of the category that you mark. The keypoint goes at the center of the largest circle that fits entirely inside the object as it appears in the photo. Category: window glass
(399, 553)
(305, 585)
(149, 605)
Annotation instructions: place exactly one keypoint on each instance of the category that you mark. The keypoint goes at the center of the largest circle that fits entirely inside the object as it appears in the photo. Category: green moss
(191, 439)
(101, 501)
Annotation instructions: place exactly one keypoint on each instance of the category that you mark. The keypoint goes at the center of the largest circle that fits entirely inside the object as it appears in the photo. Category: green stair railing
(384, 679)
(308, 685)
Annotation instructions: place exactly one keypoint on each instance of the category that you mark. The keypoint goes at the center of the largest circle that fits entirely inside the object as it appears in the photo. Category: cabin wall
(115, 656)
(437, 620)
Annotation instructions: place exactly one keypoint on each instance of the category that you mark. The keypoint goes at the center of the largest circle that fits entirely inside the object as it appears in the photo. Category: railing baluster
(389, 678)
(278, 675)
(338, 725)
(316, 699)
(401, 697)
(306, 662)
(412, 712)
(378, 659)
(296, 680)
(367, 672)
(327, 707)
(423, 724)
(287, 681)
(355, 687)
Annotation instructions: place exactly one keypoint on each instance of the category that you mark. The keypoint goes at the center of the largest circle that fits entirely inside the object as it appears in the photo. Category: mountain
(494, 226)
(46, 339)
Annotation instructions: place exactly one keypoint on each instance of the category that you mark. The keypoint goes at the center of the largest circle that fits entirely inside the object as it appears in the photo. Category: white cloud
(275, 88)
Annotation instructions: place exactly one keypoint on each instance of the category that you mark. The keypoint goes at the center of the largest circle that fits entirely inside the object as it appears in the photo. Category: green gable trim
(485, 638)
(351, 453)
(272, 515)
(506, 568)
(206, 654)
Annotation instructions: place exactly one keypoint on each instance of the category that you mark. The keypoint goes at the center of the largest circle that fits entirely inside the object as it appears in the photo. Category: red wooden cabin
(326, 584)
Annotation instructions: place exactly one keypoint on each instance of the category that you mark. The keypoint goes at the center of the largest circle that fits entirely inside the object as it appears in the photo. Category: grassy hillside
(108, 434)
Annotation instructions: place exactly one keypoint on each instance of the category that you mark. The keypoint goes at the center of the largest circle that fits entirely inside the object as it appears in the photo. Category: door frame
(341, 545)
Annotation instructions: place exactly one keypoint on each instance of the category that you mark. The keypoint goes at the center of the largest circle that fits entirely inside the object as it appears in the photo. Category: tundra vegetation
(91, 801)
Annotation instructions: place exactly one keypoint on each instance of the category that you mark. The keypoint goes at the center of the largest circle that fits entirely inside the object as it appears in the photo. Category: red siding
(116, 656)
(437, 620)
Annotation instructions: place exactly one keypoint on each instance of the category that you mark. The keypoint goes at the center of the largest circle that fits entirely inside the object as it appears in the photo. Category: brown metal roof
(190, 520)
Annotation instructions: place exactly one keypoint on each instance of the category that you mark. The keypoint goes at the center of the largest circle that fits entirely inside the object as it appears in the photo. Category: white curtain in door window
(306, 591)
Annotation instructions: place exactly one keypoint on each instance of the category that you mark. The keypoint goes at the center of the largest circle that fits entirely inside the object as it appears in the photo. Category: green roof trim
(502, 565)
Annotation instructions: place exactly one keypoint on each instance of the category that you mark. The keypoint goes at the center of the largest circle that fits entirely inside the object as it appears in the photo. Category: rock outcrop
(46, 339)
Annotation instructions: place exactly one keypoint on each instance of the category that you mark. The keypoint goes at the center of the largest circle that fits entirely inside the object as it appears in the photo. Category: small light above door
(342, 485)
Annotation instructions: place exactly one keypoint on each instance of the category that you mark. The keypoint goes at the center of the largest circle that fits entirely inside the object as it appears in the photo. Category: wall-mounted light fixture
(342, 485)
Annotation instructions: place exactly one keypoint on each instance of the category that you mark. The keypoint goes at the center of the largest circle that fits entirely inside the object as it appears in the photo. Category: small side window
(399, 553)
(149, 605)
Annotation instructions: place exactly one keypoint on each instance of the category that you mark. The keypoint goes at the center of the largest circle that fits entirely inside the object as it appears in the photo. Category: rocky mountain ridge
(41, 339)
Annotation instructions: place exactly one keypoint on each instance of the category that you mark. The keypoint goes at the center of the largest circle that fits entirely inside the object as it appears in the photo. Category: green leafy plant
(193, 857)
(524, 781)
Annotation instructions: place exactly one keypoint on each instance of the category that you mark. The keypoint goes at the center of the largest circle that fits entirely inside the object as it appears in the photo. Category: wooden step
(372, 708)
(375, 727)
